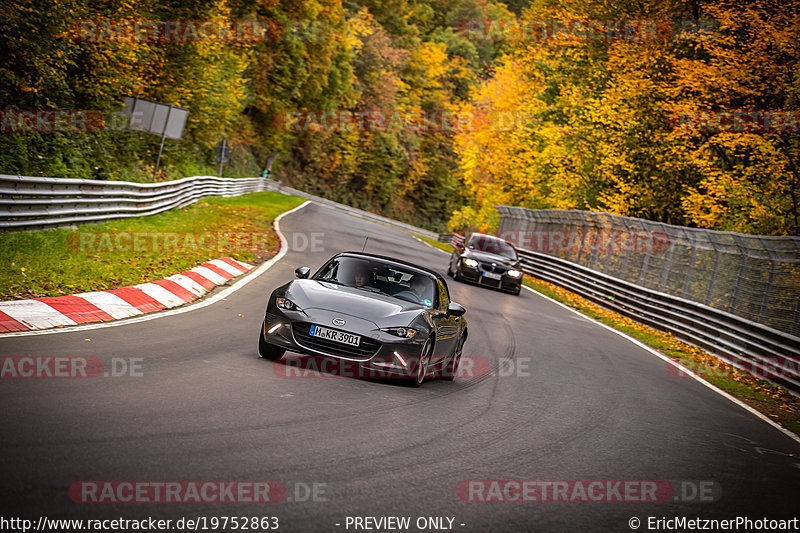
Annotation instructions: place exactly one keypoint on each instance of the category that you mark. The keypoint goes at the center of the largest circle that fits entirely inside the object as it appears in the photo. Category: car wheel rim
(422, 367)
(457, 357)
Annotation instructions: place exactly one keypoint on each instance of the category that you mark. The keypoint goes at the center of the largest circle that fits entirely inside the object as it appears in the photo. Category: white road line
(660, 356)
(686, 371)
(35, 314)
(247, 278)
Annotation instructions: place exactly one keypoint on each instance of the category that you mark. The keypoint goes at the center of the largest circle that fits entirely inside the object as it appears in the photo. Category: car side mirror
(454, 309)
(302, 272)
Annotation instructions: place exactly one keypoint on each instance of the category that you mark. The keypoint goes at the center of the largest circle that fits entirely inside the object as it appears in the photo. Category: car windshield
(376, 276)
(492, 245)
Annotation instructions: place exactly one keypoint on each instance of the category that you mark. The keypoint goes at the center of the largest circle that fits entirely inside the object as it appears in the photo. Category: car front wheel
(422, 363)
(451, 368)
(267, 350)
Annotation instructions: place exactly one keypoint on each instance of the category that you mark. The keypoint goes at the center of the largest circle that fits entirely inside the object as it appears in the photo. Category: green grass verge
(447, 247)
(137, 250)
(771, 400)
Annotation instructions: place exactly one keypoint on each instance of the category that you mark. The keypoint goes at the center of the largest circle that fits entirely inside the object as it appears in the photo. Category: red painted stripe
(202, 280)
(234, 264)
(176, 289)
(9, 324)
(76, 308)
(217, 270)
(138, 299)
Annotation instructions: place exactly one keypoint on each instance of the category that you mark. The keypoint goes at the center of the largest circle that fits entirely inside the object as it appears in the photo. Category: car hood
(377, 308)
(490, 257)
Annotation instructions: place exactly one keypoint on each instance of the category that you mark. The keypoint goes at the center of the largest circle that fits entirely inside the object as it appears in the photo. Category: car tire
(449, 270)
(519, 290)
(422, 363)
(451, 368)
(267, 350)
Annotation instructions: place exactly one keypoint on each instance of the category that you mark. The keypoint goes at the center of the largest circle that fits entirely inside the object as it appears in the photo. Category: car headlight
(405, 333)
(286, 303)
(514, 273)
(470, 262)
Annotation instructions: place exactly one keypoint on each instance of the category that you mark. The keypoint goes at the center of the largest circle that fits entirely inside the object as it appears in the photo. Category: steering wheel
(408, 296)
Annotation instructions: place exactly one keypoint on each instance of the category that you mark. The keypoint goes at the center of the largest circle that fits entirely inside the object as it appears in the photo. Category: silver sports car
(391, 318)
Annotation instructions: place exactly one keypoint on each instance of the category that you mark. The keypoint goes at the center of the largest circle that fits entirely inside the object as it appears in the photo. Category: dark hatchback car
(390, 318)
(488, 261)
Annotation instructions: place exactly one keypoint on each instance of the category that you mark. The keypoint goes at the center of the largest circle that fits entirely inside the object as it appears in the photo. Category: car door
(447, 327)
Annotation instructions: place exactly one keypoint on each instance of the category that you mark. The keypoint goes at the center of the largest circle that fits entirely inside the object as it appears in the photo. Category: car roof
(392, 260)
(486, 235)
(491, 237)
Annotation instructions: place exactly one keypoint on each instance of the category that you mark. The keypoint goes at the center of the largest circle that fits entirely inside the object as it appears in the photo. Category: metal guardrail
(759, 349)
(30, 203)
(372, 217)
(755, 277)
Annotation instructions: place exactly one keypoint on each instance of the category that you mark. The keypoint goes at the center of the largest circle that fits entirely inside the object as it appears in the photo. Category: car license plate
(338, 336)
(492, 275)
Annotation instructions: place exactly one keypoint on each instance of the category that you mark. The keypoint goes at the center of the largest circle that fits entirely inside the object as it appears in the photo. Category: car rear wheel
(449, 270)
(451, 368)
(267, 350)
(422, 363)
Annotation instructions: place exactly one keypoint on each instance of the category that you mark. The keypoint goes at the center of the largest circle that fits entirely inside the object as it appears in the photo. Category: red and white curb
(124, 302)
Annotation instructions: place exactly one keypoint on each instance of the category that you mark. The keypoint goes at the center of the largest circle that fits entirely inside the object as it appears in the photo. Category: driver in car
(419, 286)
(360, 276)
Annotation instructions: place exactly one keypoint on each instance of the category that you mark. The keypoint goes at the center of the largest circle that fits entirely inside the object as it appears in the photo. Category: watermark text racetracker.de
(68, 367)
(52, 121)
(587, 491)
(776, 121)
(200, 492)
(555, 31)
(198, 523)
(188, 242)
(587, 240)
(470, 367)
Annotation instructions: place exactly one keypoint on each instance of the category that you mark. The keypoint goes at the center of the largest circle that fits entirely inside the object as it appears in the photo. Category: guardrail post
(646, 262)
(714, 271)
(609, 249)
(740, 277)
(689, 268)
(773, 260)
(668, 265)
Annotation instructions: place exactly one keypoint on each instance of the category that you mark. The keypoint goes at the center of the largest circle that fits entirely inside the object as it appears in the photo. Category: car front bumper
(476, 275)
(392, 358)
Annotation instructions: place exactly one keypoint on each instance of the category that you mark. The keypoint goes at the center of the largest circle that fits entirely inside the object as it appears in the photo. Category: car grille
(366, 349)
(487, 267)
(498, 268)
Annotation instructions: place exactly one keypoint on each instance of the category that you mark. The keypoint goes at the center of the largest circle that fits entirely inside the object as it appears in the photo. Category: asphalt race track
(553, 396)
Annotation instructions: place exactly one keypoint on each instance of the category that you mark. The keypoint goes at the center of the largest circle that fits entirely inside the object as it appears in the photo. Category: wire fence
(751, 276)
